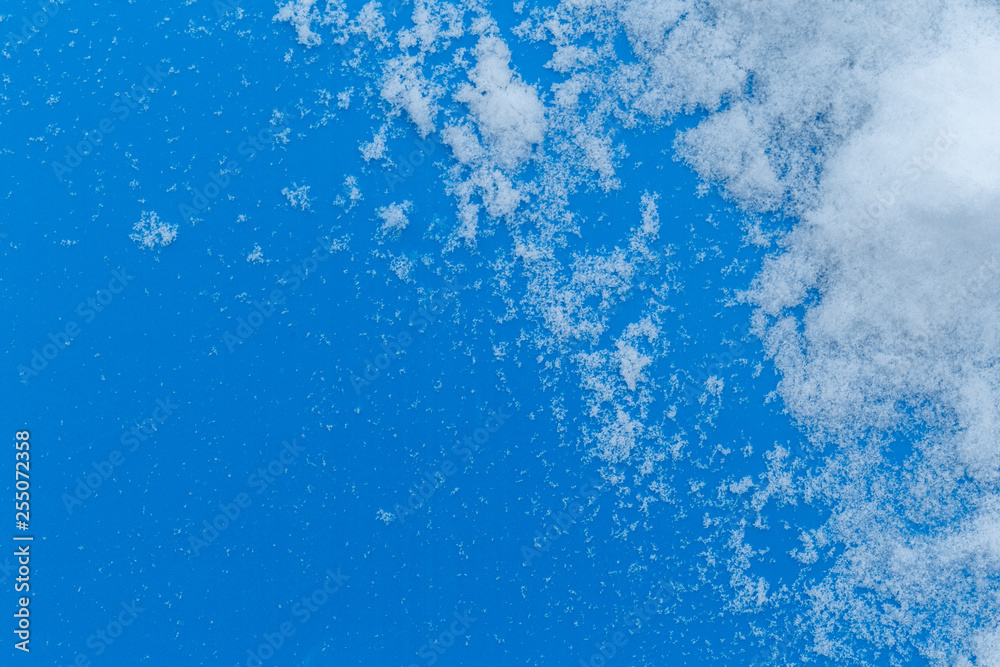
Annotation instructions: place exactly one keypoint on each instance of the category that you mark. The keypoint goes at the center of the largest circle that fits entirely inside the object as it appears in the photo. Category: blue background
(162, 337)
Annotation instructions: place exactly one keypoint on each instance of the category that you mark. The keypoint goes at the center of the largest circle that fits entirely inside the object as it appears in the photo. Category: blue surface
(461, 551)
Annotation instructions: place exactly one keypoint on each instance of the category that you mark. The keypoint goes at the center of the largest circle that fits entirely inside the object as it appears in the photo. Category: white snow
(152, 233)
(395, 218)
(873, 125)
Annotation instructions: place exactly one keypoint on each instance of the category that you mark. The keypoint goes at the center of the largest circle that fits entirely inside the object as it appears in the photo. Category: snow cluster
(152, 233)
(869, 124)
(394, 218)
(298, 196)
